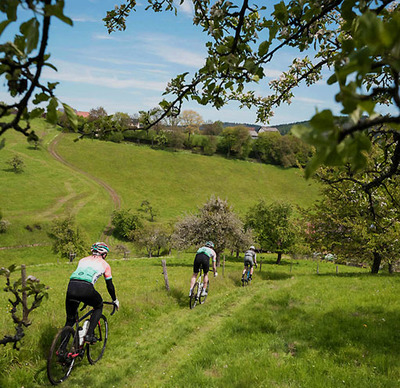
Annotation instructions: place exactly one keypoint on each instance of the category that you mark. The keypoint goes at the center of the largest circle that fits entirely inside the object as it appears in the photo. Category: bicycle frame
(197, 290)
(64, 351)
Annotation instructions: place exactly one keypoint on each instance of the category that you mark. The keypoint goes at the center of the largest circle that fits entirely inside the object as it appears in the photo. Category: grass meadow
(291, 327)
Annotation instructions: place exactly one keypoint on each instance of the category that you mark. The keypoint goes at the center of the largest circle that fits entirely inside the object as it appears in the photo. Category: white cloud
(72, 72)
(187, 8)
(308, 100)
(159, 45)
(84, 19)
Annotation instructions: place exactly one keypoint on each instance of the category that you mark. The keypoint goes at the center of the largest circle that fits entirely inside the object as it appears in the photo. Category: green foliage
(22, 289)
(17, 164)
(209, 145)
(152, 238)
(68, 238)
(125, 223)
(146, 207)
(23, 60)
(216, 221)
(4, 224)
(359, 224)
(286, 151)
(236, 140)
(272, 226)
(357, 41)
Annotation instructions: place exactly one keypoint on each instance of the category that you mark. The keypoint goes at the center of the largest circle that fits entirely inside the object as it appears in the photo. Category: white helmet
(252, 248)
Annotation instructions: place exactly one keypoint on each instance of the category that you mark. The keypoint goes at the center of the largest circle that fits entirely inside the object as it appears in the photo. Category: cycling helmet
(100, 249)
(209, 244)
(252, 248)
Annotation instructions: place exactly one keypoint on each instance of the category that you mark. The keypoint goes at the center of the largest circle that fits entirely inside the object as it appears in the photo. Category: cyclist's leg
(72, 302)
(196, 270)
(193, 280)
(96, 301)
(206, 268)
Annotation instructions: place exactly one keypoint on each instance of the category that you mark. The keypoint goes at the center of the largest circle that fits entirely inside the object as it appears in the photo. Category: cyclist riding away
(81, 287)
(202, 260)
(249, 260)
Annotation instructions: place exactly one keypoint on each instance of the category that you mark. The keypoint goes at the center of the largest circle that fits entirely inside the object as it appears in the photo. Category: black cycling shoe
(91, 339)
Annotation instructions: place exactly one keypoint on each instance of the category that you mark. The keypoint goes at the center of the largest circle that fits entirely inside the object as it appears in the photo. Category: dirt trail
(113, 194)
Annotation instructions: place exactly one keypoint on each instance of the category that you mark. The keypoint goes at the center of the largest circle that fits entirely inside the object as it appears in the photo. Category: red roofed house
(82, 114)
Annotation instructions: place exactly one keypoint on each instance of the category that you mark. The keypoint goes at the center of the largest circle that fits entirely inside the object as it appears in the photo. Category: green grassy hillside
(173, 182)
(177, 182)
(289, 328)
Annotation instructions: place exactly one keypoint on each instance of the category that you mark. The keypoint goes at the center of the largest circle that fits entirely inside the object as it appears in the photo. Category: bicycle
(246, 279)
(69, 345)
(196, 295)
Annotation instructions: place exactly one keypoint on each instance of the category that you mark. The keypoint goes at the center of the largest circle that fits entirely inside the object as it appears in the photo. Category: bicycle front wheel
(95, 351)
(193, 297)
(61, 357)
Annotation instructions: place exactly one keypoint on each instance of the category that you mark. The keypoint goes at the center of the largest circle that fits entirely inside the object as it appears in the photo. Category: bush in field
(235, 141)
(4, 224)
(68, 238)
(125, 223)
(216, 221)
(209, 144)
(153, 238)
(16, 163)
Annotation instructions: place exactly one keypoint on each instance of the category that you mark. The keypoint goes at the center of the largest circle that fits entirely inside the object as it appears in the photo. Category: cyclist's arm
(111, 289)
(214, 263)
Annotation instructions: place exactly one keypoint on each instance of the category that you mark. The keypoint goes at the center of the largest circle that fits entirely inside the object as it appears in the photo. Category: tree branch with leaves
(21, 290)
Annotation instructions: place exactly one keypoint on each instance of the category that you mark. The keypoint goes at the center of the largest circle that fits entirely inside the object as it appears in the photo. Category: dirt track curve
(113, 194)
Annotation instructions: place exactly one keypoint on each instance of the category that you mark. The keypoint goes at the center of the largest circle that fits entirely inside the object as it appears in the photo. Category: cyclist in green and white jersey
(202, 260)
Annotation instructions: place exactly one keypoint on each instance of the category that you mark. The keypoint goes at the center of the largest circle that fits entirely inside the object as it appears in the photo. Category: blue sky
(128, 71)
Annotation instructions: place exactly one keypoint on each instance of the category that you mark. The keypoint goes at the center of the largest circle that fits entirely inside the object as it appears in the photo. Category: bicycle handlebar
(114, 306)
(112, 313)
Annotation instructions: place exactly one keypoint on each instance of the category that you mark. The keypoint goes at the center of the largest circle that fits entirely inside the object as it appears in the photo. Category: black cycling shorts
(82, 291)
(201, 261)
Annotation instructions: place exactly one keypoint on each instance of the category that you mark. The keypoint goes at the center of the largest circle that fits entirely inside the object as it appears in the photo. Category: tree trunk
(390, 268)
(377, 262)
(278, 260)
(218, 263)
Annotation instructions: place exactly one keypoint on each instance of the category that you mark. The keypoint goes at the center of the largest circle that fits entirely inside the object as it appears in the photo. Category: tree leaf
(71, 116)
(51, 116)
(30, 30)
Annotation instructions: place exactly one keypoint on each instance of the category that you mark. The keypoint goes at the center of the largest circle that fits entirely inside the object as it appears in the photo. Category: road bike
(69, 346)
(196, 296)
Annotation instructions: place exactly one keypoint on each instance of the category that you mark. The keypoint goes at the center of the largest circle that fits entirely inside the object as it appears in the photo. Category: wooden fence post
(223, 267)
(260, 265)
(337, 269)
(164, 265)
(317, 268)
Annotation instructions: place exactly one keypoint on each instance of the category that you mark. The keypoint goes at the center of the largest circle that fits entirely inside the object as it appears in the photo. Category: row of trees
(353, 231)
(187, 131)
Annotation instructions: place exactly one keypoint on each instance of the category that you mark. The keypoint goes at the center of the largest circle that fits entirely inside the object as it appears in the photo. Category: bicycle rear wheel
(95, 351)
(193, 297)
(60, 360)
(202, 299)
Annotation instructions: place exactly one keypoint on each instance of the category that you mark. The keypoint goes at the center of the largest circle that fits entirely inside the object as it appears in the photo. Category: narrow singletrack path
(113, 194)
